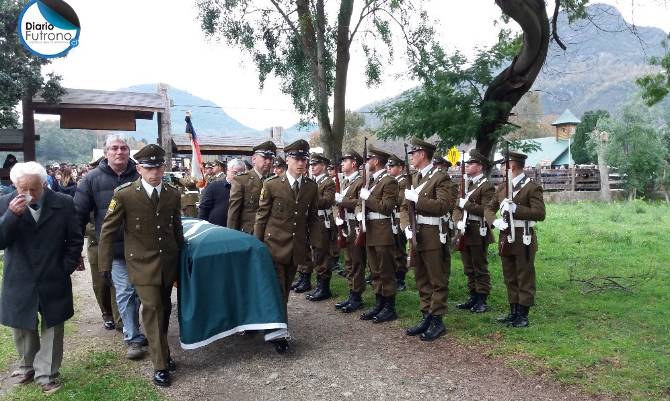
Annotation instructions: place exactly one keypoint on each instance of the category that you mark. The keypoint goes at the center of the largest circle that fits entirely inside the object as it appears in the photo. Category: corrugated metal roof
(233, 140)
(551, 150)
(566, 118)
(89, 98)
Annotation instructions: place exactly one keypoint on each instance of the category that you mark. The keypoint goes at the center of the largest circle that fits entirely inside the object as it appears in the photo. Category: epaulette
(241, 173)
(120, 187)
(270, 178)
(171, 185)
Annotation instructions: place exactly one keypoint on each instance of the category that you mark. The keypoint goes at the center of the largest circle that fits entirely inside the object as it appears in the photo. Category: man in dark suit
(40, 234)
(215, 197)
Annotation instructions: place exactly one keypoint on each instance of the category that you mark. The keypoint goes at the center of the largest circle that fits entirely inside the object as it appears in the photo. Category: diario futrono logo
(49, 28)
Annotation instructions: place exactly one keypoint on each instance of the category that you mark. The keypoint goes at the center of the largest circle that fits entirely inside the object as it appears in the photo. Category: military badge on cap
(267, 149)
(150, 156)
(298, 149)
(418, 144)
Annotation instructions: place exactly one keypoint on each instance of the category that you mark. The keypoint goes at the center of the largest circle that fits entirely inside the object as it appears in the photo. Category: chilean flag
(196, 162)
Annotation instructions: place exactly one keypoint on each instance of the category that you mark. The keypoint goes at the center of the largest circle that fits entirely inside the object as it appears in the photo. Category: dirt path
(333, 357)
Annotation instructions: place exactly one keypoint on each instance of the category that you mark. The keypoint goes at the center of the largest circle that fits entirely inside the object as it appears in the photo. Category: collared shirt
(476, 179)
(150, 189)
(351, 177)
(518, 179)
(424, 171)
(291, 180)
(317, 178)
(377, 174)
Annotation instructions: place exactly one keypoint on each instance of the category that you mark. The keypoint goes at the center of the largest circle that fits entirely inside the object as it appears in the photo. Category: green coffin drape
(227, 284)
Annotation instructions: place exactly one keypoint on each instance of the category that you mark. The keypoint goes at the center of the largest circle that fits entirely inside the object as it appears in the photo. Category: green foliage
(64, 145)
(20, 71)
(7, 352)
(581, 153)
(655, 87)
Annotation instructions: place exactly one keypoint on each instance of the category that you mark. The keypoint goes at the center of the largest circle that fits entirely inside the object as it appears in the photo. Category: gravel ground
(332, 357)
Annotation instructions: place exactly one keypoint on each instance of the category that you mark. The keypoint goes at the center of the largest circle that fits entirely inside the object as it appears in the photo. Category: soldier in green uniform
(395, 168)
(431, 193)
(207, 171)
(218, 170)
(526, 208)
(354, 257)
(287, 220)
(149, 212)
(326, 186)
(246, 188)
(469, 218)
(190, 196)
(279, 166)
(381, 198)
(334, 257)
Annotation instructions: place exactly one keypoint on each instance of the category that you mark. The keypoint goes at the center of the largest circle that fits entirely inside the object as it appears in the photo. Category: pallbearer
(395, 167)
(469, 218)
(524, 204)
(431, 192)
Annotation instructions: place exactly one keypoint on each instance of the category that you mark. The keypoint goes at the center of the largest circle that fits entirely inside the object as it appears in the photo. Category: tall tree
(308, 46)
(655, 87)
(580, 150)
(20, 71)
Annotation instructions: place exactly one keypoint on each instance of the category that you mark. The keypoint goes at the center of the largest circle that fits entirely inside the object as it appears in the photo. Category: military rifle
(341, 214)
(360, 231)
(506, 238)
(411, 208)
(460, 233)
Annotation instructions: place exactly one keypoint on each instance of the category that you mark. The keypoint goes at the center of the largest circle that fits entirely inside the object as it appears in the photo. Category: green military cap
(151, 155)
(381, 155)
(266, 149)
(512, 156)
(279, 162)
(298, 149)
(441, 160)
(219, 163)
(353, 155)
(418, 144)
(317, 158)
(331, 166)
(208, 164)
(395, 161)
(478, 157)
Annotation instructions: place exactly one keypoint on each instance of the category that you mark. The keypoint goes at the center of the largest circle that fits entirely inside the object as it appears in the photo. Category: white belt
(350, 216)
(472, 217)
(324, 212)
(377, 216)
(191, 192)
(522, 223)
(431, 221)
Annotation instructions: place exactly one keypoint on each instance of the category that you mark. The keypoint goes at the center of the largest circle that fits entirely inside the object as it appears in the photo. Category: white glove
(460, 225)
(462, 202)
(365, 193)
(508, 206)
(339, 221)
(500, 224)
(411, 195)
(359, 216)
(408, 233)
(338, 197)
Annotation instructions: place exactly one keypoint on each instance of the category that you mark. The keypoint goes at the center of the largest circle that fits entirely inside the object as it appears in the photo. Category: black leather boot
(305, 283)
(420, 327)
(480, 306)
(521, 319)
(376, 309)
(355, 303)
(322, 291)
(296, 282)
(400, 281)
(345, 302)
(435, 330)
(469, 303)
(512, 315)
(387, 313)
(368, 279)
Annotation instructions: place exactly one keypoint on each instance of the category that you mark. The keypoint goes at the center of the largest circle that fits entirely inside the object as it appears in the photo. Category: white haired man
(42, 240)
(215, 197)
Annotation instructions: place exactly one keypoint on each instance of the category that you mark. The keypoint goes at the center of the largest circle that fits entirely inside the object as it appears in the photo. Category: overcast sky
(129, 42)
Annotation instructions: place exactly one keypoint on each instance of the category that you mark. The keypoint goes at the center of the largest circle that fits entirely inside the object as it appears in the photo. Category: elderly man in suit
(215, 197)
(40, 234)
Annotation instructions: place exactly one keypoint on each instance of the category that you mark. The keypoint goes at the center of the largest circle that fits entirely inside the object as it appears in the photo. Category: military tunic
(325, 211)
(152, 242)
(400, 251)
(354, 263)
(190, 197)
(245, 192)
(519, 267)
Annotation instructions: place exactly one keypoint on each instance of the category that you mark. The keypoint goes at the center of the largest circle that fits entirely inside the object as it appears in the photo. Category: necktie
(154, 198)
(35, 206)
(346, 183)
(296, 188)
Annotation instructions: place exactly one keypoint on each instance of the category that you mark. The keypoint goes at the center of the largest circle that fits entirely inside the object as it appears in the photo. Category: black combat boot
(480, 306)
(513, 311)
(470, 302)
(421, 326)
(388, 311)
(368, 279)
(305, 283)
(400, 281)
(296, 283)
(345, 302)
(521, 319)
(376, 309)
(355, 303)
(435, 330)
(322, 291)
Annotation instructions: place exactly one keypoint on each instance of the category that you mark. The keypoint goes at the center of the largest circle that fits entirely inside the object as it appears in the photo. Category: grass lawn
(7, 352)
(611, 341)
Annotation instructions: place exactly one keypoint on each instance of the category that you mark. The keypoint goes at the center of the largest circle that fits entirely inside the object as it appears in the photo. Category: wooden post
(601, 139)
(572, 178)
(28, 129)
(164, 126)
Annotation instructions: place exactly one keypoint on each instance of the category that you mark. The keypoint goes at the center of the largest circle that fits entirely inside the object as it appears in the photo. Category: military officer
(218, 170)
(246, 189)
(190, 196)
(380, 197)
(208, 167)
(326, 186)
(526, 207)
(149, 212)
(469, 218)
(441, 163)
(432, 195)
(287, 220)
(334, 247)
(354, 257)
(279, 166)
(395, 167)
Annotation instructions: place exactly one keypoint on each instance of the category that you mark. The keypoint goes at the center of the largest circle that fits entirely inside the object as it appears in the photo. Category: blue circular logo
(49, 28)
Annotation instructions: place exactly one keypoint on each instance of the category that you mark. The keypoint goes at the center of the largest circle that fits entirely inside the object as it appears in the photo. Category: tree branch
(554, 29)
(286, 17)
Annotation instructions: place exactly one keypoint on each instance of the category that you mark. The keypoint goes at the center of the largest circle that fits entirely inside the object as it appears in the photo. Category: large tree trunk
(333, 145)
(512, 83)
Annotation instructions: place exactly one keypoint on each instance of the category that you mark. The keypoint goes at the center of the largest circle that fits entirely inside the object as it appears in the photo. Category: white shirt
(477, 178)
(517, 179)
(36, 213)
(350, 178)
(377, 174)
(424, 171)
(318, 177)
(150, 189)
(291, 180)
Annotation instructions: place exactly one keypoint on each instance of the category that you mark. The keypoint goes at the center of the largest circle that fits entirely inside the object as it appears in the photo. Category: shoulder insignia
(241, 173)
(171, 185)
(120, 187)
(112, 205)
(270, 178)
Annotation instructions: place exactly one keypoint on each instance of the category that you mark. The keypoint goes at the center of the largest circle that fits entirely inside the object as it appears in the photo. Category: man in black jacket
(215, 197)
(94, 193)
